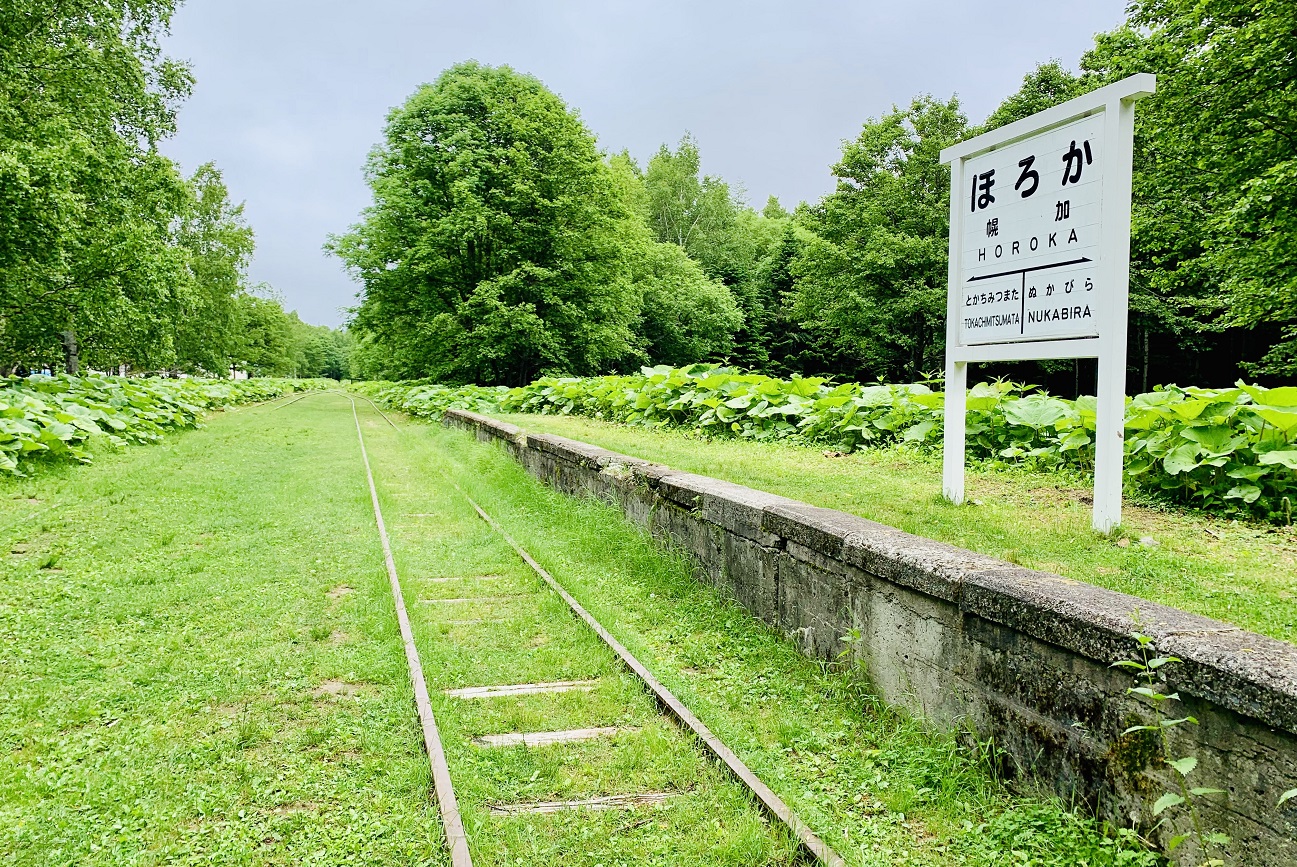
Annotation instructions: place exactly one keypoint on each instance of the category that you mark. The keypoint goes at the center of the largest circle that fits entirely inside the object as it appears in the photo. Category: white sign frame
(1117, 103)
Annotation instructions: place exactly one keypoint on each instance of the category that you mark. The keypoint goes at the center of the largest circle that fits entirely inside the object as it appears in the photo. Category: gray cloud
(292, 95)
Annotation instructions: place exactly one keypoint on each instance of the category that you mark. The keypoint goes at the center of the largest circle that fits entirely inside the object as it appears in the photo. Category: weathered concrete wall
(1019, 656)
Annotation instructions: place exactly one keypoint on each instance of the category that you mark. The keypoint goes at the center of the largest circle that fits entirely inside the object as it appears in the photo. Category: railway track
(799, 842)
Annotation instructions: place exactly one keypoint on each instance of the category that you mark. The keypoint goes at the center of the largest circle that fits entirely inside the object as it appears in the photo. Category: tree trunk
(71, 352)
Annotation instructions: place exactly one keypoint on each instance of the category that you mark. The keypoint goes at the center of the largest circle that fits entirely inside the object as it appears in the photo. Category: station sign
(1030, 238)
(1039, 261)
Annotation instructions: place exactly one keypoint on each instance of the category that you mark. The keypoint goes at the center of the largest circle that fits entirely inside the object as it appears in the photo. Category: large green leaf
(1286, 458)
(918, 432)
(1182, 459)
(1284, 396)
(1246, 493)
(1215, 439)
(1191, 409)
(1036, 411)
(1284, 420)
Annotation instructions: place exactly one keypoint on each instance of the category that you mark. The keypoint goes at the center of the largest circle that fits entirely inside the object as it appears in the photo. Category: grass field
(185, 679)
(1244, 574)
(202, 666)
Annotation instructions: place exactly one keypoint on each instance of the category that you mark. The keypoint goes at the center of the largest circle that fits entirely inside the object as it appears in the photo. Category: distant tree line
(109, 255)
(502, 244)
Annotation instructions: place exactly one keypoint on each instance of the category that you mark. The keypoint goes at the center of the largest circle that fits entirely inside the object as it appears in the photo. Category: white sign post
(1040, 262)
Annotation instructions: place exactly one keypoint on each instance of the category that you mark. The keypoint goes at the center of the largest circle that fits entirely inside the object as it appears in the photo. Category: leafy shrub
(55, 416)
(1232, 450)
(430, 400)
(1042, 835)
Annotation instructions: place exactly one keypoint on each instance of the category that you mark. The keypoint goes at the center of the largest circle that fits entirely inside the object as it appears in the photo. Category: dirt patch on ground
(340, 591)
(338, 689)
(347, 756)
(337, 636)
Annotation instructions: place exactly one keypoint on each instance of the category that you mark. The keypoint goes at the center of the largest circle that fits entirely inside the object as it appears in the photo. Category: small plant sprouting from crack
(1146, 669)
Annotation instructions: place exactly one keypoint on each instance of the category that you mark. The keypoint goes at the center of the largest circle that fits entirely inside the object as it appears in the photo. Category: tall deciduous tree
(871, 283)
(491, 252)
(685, 207)
(219, 244)
(86, 203)
(705, 217)
(684, 315)
(266, 345)
(1216, 187)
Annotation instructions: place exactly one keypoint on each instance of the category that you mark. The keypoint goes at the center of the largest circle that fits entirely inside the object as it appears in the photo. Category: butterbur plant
(1147, 669)
(55, 417)
(1232, 451)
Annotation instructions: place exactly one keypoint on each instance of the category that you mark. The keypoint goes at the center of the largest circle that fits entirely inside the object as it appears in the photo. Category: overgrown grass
(493, 622)
(878, 786)
(1242, 573)
(201, 664)
(204, 668)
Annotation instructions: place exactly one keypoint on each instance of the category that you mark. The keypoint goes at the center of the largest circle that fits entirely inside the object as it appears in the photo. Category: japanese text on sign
(1029, 244)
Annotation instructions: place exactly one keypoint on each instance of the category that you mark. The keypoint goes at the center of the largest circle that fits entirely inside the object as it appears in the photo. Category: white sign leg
(1109, 446)
(952, 459)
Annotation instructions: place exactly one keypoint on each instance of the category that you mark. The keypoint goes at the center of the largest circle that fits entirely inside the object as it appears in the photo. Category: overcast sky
(292, 94)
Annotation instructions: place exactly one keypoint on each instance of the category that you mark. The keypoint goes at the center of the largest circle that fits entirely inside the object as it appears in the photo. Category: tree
(266, 346)
(219, 244)
(702, 215)
(1213, 235)
(492, 250)
(320, 351)
(755, 247)
(86, 254)
(871, 282)
(1044, 87)
(1216, 189)
(684, 207)
(788, 347)
(685, 316)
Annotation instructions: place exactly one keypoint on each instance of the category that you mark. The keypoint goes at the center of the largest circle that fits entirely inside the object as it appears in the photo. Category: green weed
(154, 714)
(879, 785)
(60, 417)
(1231, 451)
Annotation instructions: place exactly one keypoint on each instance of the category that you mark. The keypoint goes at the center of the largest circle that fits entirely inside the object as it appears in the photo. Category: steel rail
(809, 840)
(376, 409)
(451, 821)
(294, 400)
(269, 403)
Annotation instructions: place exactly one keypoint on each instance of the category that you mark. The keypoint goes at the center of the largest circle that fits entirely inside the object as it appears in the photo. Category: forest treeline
(109, 254)
(502, 244)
